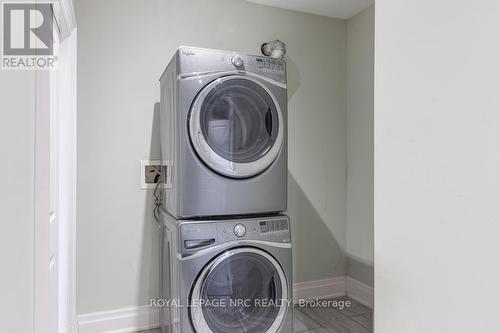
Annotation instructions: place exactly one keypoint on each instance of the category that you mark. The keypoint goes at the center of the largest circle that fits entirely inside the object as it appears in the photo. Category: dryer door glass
(236, 120)
(239, 121)
(243, 293)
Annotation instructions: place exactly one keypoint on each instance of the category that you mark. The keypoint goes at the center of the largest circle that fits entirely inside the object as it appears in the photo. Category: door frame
(49, 105)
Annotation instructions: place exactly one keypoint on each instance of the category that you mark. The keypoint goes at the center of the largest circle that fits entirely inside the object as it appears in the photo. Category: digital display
(270, 64)
(270, 226)
(263, 226)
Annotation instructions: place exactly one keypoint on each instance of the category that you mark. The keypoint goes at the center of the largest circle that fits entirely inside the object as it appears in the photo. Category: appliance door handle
(196, 243)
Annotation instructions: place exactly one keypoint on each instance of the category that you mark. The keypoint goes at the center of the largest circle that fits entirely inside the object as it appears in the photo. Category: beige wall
(17, 129)
(437, 162)
(123, 47)
(359, 216)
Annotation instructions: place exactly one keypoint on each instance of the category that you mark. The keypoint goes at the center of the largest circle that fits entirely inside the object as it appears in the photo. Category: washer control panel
(272, 226)
(200, 235)
(271, 230)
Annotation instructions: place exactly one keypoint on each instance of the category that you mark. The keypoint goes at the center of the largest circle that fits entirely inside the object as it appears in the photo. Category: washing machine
(226, 276)
(223, 133)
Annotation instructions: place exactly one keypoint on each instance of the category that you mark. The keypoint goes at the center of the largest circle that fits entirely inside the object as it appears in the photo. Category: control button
(240, 230)
(237, 61)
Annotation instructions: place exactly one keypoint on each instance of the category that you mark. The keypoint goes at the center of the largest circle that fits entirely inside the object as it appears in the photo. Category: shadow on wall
(151, 235)
(293, 77)
(359, 269)
(316, 252)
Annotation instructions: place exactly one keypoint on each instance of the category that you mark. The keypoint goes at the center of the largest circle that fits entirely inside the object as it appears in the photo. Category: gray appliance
(223, 133)
(231, 275)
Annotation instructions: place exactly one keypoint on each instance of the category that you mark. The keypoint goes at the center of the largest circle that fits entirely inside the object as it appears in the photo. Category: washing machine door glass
(236, 126)
(243, 290)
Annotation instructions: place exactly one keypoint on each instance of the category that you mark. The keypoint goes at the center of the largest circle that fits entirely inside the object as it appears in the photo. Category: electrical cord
(157, 199)
(157, 177)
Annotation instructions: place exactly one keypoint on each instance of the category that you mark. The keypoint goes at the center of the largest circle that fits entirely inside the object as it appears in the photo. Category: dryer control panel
(270, 67)
(192, 60)
(270, 64)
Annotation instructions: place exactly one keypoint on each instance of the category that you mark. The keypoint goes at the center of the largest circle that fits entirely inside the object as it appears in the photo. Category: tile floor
(355, 319)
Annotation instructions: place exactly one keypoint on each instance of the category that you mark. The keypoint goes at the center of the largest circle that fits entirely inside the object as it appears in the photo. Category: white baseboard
(327, 288)
(133, 319)
(125, 320)
(359, 291)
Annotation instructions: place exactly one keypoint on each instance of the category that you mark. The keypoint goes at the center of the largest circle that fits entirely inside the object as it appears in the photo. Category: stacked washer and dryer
(226, 250)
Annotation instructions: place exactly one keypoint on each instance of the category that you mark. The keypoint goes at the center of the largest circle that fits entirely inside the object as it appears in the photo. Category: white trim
(55, 292)
(360, 292)
(319, 289)
(55, 157)
(64, 15)
(133, 319)
(124, 320)
(65, 86)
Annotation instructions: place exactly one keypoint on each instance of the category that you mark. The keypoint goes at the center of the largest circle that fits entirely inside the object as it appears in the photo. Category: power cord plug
(157, 199)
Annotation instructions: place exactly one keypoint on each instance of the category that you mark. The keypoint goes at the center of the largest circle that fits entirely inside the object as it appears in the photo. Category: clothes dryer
(224, 133)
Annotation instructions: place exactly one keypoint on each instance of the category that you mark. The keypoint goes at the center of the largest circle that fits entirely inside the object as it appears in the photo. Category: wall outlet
(153, 172)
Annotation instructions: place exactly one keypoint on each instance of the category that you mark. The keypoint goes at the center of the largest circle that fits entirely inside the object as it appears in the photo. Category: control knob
(240, 230)
(237, 61)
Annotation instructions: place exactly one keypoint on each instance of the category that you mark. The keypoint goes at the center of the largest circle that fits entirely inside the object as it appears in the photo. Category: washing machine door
(236, 126)
(242, 290)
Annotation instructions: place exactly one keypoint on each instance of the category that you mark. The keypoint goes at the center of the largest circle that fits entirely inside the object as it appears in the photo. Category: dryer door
(242, 290)
(236, 126)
